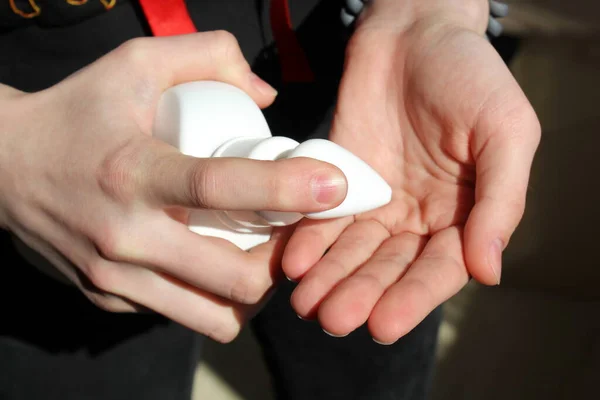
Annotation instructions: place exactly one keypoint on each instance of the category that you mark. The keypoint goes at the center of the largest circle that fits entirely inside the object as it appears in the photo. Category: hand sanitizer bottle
(213, 119)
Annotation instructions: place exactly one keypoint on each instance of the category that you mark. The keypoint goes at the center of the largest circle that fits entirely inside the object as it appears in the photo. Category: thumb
(503, 160)
(213, 55)
(168, 178)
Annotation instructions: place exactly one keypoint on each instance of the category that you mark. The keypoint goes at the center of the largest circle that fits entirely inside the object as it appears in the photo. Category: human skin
(426, 100)
(86, 185)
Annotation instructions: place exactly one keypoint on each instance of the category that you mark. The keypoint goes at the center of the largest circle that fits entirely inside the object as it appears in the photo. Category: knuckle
(341, 268)
(225, 46)
(250, 287)
(225, 40)
(100, 276)
(419, 296)
(203, 185)
(256, 290)
(135, 54)
(534, 126)
(116, 174)
(276, 197)
(523, 125)
(110, 243)
(517, 208)
(513, 208)
(225, 332)
(280, 193)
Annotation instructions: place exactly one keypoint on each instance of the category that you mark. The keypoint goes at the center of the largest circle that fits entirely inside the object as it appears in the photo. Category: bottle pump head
(214, 119)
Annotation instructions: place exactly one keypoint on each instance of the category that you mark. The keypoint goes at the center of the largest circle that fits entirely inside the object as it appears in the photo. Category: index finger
(206, 263)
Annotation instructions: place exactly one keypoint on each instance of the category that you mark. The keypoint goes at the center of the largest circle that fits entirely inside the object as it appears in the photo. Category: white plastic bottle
(213, 119)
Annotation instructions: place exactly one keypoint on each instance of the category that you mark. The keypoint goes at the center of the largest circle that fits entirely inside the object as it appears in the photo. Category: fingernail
(262, 86)
(300, 317)
(495, 258)
(329, 189)
(383, 343)
(290, 279)
(335, 336)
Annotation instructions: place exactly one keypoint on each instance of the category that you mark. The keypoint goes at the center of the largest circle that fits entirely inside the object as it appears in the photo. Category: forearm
(401, 14)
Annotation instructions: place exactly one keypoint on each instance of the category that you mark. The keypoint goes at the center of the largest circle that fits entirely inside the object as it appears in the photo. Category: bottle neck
(266, 149)
(257, 148)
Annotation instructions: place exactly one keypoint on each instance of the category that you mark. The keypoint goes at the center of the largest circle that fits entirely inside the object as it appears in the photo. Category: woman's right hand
(85, 185)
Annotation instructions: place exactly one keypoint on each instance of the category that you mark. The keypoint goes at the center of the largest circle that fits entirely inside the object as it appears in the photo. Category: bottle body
(199, 118)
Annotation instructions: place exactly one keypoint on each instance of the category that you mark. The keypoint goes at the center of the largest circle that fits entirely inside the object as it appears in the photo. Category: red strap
(294, 64)
(168, 17)
(171, 17)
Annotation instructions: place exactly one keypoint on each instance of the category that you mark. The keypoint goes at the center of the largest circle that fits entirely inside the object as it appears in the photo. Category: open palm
(438, 114)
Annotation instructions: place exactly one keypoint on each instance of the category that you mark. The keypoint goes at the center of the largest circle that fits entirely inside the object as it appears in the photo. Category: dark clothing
(54, 344)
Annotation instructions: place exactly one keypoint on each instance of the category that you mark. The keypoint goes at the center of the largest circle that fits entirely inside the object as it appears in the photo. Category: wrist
(8, 97)
(401, 15)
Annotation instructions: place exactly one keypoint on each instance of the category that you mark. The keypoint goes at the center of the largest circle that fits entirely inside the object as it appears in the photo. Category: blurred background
(537, 336)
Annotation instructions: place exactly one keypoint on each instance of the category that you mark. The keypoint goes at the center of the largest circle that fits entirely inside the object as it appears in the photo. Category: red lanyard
(171, 17)
(167, 17)
(294, 64)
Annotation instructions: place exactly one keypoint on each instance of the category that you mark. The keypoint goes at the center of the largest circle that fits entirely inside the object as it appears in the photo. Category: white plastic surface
(197, 118)
(367, 190)
(213, 119)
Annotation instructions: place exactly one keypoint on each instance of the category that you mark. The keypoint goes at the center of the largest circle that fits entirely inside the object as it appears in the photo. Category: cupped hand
(86, 186)
(435, 110)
